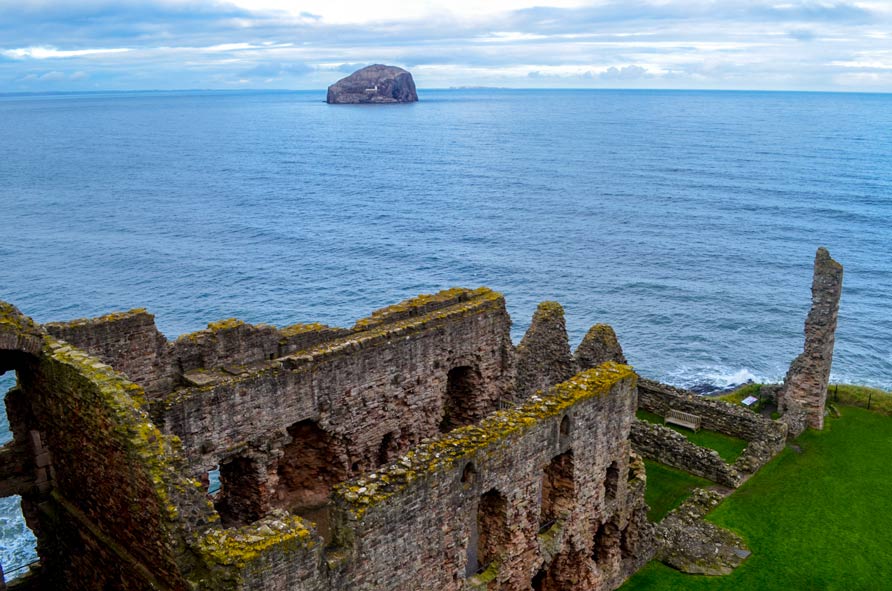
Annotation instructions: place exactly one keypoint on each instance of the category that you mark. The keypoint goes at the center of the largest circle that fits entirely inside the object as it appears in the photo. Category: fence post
(869, 398)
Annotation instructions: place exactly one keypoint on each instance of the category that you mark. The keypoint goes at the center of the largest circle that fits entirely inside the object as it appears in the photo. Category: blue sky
(52, 45)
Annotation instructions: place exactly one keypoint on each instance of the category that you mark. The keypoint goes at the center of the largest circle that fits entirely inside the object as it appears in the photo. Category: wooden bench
(684, 419)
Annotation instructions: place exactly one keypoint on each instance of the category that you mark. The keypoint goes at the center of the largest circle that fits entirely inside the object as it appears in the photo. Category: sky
(83, 45)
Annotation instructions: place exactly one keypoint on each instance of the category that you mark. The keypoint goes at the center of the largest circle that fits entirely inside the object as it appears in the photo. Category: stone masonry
(368, 458)
(805, 386)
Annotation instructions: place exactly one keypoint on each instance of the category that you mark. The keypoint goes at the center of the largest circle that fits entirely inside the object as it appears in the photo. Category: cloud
(660, 43)
(42, 53)
(632, 72)
(277, 70)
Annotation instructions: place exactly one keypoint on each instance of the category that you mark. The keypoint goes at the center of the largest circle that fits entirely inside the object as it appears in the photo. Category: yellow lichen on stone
(299, 329)
(237, 547)
(550, 308)
(105, 318)
(226, 324)
(124, 400)
(443, 297)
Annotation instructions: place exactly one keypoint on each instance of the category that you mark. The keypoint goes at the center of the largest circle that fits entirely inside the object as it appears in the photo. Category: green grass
(729, 448)
(740, 393)
(667, 488)
(819, 520)
(851, 395)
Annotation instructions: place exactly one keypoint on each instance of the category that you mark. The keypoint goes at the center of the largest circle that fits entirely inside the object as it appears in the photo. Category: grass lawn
(851, 395)
(667, 488)
(729, 448)
(816, 520)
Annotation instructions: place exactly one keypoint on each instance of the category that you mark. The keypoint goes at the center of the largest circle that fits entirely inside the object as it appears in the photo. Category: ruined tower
(804, 392)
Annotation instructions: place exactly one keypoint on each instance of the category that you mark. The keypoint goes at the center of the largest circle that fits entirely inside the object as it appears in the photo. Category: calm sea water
(687, 220)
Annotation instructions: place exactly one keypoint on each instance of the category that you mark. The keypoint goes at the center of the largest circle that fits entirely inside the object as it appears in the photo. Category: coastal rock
(374, 84)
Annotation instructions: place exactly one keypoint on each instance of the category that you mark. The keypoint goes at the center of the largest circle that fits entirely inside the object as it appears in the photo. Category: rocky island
(374, 84)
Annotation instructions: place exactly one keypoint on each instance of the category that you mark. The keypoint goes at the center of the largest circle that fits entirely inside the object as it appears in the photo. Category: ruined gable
(543, 355)
(804, 391)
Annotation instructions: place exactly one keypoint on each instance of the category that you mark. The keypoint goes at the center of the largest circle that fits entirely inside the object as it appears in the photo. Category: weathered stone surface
(543, 356)
(482, 504)
(599, 345)
(671, 448)
(687, 542)
(374, 84)
(403, 403)
(401, 374)
(128, 341)
(805, 386)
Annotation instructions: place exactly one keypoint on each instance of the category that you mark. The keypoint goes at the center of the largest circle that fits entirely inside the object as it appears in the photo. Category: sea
(688, 220)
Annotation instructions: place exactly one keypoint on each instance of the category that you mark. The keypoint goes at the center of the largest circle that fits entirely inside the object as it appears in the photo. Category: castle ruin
(419, 450)
(396, 455)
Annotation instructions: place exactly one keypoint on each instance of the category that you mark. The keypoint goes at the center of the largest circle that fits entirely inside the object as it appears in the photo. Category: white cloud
(42, 53)
(363, 11)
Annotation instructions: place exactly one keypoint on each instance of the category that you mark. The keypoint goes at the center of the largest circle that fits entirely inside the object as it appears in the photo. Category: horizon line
(439, 89)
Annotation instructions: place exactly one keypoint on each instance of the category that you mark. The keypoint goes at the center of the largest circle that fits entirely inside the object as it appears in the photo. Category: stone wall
(128, 341)
(131, 343)
(94, 452)
(804, 391)
(464, 510)
(364, 458)
(671, 448)
(715, 415)
(390, 380)
(765, 437)
(689, 543)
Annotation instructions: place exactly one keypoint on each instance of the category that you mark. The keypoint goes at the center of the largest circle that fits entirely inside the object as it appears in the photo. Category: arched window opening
(538, 582)
(469, 474)
(463, 393)
(239, 497)
(211, 481)
(611, 481)
(489, 536)
(558, 490)
(309, 468)
(565, 428)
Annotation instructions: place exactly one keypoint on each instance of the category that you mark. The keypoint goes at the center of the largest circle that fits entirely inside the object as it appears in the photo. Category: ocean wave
(709, 380)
